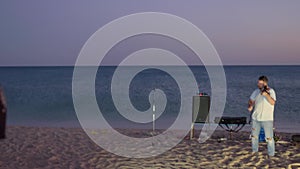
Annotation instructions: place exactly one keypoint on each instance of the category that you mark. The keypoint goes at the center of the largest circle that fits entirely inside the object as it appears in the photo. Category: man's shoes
(271, 157)
(254, 153)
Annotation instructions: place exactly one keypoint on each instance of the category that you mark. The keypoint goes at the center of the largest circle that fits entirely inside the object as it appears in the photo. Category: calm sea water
(42, 96)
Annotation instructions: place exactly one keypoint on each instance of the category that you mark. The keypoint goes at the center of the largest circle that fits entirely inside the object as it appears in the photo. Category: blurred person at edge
(3, 111)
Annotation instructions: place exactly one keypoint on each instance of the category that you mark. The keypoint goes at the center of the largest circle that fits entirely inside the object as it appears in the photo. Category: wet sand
(34, 147)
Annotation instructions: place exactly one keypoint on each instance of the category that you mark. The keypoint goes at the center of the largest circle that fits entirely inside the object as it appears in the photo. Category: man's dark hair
(263, 78)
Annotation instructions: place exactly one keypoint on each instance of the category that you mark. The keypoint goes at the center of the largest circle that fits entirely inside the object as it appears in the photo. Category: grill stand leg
(192, 131)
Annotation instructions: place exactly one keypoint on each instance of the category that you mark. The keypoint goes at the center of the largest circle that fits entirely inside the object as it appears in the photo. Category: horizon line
(3, 66)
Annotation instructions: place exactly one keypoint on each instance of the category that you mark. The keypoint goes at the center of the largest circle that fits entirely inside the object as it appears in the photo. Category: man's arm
(269, 98)
(250, 105)
(251, 101)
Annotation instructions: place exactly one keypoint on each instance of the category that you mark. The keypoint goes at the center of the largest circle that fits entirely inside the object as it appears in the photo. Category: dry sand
(33, 147)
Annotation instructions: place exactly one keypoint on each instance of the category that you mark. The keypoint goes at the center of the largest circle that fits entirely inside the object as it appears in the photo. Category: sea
(42, 96)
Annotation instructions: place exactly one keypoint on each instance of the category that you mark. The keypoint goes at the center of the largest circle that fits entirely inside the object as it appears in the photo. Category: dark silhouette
(3, 111)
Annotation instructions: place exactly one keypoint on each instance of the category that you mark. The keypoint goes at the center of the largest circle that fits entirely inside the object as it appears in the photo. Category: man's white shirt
(263, 110)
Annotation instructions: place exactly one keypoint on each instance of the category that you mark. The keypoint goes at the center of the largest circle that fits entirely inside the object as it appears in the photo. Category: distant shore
(41, 147)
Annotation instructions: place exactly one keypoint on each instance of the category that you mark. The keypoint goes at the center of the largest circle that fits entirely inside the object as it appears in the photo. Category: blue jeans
(268, 128)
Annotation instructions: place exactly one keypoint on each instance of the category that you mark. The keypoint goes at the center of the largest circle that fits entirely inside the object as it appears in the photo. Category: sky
(52, 33)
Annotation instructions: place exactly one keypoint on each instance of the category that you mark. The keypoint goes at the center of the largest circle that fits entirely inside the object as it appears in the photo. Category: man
(263, 99)
(3, 110)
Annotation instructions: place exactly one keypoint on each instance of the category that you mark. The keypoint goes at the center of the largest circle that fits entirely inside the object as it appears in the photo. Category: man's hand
(250, 108)
(264, 93)
(250, 105)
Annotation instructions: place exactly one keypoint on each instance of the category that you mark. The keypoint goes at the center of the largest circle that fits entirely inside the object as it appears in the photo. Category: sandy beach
(40, 147)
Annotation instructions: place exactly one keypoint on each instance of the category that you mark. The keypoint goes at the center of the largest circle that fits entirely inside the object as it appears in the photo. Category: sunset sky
(52, 33)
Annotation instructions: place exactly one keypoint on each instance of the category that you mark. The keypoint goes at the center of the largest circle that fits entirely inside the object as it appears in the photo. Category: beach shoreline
(45, 147)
